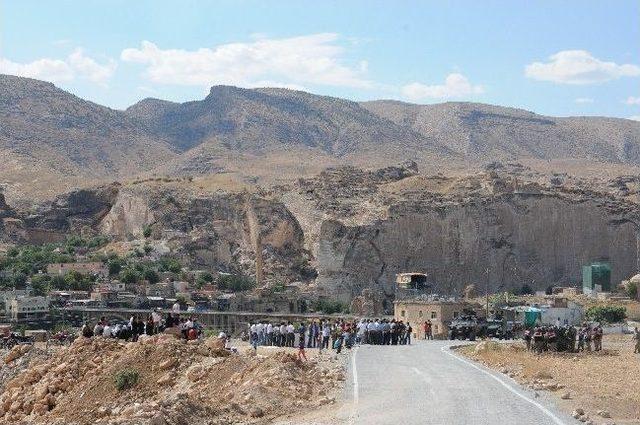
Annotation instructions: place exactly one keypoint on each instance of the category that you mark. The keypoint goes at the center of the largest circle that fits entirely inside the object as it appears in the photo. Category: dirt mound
(17, 360)
(171, 382)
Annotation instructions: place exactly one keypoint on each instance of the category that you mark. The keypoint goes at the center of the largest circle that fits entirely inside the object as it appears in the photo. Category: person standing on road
(409, 330)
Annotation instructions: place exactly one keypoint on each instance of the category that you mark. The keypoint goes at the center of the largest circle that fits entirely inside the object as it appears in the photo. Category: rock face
(533, 240)
(207, 230)
(523, 229)
(212, 230)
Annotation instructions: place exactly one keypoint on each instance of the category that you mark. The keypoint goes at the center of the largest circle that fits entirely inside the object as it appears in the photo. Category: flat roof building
(440, 312)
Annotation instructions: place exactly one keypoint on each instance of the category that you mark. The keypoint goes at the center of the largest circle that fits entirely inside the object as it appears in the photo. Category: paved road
(426, 384)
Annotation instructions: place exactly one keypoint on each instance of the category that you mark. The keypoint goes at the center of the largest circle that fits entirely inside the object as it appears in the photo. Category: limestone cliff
(504, 229)
(207, 230)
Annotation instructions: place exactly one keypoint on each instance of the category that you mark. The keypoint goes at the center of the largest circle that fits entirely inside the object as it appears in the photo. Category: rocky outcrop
(508, 241)
(505, 228)
(210, 231)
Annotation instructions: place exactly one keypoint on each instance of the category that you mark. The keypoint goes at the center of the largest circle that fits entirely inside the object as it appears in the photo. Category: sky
(558, 58)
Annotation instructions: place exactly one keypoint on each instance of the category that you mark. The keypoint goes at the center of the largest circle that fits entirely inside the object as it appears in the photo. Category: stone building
(27, 308)
(439, 311)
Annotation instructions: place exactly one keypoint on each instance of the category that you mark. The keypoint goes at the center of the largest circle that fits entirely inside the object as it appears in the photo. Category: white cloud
(632, 100)
(76, 65)
(455, 86)
(88, 68)
(311, 59)
(578, 67)
(54, 70)
(635, 117)
(583, 100)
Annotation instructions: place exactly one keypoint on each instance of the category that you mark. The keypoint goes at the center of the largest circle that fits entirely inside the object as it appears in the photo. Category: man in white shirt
(291, 336)
(176, 307)
(326, 333)
(155, 316)
(106, 331)
(283, 335)
(269, 334)
(260, 333)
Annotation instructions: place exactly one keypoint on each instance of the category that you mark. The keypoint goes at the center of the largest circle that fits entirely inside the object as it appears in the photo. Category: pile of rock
(177, 382)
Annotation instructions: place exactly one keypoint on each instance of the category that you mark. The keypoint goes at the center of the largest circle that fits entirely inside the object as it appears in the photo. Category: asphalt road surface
(427, 383)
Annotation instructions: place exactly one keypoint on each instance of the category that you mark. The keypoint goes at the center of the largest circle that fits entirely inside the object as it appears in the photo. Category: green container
(596, 276)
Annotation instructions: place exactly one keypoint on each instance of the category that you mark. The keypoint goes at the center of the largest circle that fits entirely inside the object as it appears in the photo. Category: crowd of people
(323, 334)
(563, 338)
(188, 327)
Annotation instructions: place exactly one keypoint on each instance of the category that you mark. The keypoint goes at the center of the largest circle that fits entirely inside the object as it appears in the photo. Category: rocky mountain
(51, 139)
(487, 132)
(254, 121)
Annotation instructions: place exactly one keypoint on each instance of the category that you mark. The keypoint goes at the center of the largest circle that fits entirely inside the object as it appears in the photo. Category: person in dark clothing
(149, 327)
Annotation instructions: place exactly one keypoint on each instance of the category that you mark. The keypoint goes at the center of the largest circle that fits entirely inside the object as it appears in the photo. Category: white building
(27, 308)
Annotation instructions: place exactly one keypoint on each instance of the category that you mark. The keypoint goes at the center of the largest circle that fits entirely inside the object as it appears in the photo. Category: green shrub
(146, 231)
(126, 379)
(204, 278)
(235, 283)
(168, 264)
(632, 290)
(330, 307)
(606, 314)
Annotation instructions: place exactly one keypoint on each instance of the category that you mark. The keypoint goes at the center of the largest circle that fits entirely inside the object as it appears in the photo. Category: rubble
(178, 383)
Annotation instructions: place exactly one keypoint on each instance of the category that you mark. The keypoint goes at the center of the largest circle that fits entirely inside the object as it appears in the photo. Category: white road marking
(356, 390)
(546, 411)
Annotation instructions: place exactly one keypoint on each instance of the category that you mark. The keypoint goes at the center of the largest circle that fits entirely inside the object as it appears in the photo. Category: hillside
(482, 132)
(50, 139)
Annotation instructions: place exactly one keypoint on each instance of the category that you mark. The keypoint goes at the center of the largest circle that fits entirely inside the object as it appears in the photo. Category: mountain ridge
(52, 140)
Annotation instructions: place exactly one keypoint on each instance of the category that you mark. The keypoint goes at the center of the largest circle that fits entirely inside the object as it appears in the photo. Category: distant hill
(266, 119)
(484, 132)
(52, 140)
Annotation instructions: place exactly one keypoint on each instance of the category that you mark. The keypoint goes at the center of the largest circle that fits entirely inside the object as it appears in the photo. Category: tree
(129, 275)
(151, 276)
(169, 264)
(58, 283)
(606, 314)
(204, 278)
(41, 284)
(19, 280)
(632, 290)
(330, 307)
(235, 283)
(115, 265)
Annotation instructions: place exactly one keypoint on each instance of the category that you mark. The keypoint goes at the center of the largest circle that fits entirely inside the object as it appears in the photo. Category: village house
(440, 312)
(11, 294)
(104, 297)
(96, 268)
(27, 308)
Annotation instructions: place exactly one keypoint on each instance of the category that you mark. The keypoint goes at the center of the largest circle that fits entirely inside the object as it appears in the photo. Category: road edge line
(446, 349)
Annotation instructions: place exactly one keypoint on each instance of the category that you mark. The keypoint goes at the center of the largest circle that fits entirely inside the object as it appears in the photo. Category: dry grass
(595, 381)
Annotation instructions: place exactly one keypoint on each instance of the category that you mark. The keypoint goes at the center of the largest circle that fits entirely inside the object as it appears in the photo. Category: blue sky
(552, 57)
